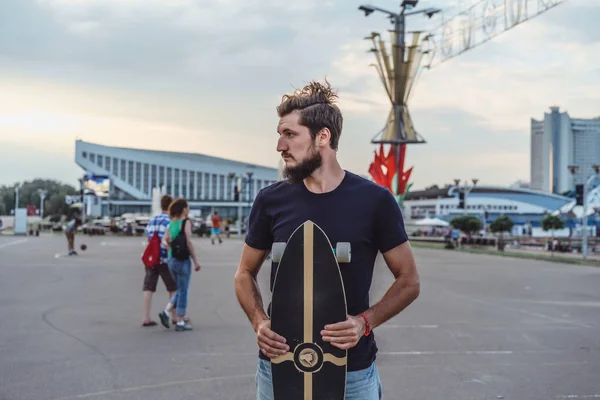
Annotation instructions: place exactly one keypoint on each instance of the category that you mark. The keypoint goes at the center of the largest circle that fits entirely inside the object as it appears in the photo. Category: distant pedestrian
(158, 224)
(70, 234)
(178, 241)
(216, 228)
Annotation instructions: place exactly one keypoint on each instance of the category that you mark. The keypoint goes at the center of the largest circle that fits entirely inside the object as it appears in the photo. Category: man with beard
(349, 209)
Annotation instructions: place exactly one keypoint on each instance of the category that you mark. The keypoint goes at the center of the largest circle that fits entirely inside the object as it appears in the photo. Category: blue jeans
(364, 384)
(181, 271)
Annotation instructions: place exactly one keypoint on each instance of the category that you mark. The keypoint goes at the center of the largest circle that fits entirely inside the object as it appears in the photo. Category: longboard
(308, 293)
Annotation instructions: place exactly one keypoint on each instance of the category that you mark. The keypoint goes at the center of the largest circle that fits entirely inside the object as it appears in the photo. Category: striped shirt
(159, 224)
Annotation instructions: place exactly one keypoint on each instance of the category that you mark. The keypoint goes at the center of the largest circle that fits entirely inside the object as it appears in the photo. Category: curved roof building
(208, 183)
(523, 206)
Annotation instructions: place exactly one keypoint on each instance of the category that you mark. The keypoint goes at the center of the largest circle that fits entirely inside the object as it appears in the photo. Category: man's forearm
(249, 297)
(400, 295)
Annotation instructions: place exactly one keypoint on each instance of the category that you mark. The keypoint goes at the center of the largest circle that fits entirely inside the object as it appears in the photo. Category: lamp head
(573, 169)
(366, 9)
(430, 12)
(409, 3)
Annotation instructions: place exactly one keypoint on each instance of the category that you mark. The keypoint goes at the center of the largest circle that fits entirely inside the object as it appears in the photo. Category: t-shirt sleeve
(389, 223)
(259, 235)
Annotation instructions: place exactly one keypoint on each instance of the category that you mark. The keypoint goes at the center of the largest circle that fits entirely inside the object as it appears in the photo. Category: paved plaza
(484, 327)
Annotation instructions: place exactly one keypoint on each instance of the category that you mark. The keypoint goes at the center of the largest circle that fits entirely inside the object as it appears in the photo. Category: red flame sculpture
(383, 169)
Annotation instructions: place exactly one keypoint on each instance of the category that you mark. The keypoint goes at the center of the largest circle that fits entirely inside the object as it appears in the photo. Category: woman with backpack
(177, 240)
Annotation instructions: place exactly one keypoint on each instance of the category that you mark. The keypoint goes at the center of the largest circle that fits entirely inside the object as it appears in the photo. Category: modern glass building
(558, 141)
(208, 183)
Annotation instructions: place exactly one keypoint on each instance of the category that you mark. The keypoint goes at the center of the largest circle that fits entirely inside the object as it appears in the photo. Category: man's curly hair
(316, 103)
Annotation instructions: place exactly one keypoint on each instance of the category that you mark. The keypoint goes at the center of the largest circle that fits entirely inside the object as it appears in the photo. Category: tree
(501, 224)
(468, 224)
(550, 223)
(54, 203)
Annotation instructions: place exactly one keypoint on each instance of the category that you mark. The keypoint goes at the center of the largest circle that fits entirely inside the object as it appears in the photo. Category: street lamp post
(586, 186)
(249, 173)
(466, 189)
(16, 197)
(81, 193)
(237, 197)
(42, 198)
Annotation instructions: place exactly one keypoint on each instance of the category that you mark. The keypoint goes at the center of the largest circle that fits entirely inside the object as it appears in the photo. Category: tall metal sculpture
(400, 71)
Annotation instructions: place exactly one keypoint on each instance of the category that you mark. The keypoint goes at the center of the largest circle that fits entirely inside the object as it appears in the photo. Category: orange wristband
(368, 327)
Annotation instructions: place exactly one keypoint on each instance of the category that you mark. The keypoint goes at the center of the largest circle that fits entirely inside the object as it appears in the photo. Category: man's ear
(323, 137)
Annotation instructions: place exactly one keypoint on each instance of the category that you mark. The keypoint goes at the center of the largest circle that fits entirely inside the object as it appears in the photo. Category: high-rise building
(558, 141)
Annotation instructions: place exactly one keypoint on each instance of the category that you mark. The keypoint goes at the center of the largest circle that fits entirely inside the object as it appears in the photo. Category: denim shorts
(364, 384)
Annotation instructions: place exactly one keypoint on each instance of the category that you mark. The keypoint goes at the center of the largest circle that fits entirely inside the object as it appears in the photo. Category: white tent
(432, 222)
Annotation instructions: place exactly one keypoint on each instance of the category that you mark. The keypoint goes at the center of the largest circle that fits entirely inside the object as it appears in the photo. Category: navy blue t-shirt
(357, 211)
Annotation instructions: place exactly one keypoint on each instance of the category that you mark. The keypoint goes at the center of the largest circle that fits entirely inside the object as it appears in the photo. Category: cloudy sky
(205, 76)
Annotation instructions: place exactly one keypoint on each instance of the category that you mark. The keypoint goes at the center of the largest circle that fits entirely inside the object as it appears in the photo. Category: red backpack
(151, 256)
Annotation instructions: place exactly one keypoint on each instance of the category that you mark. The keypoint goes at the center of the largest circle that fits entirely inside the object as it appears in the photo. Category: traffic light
(461, 200)
(579, 194)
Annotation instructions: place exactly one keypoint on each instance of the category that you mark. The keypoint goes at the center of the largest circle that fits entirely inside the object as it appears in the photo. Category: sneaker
(164, 318)
(185, 327)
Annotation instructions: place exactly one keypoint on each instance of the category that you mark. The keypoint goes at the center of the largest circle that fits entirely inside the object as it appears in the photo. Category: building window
(122, 170)
(93, 158)
(153, 178)
(169, 181)
(161, 177)
(108, 163)
(145, 176)
(192, 185)
(130, 172)
(214, 187)
(222, 187)
(100, 161)
(206, 186)
(199, 183)
(84, 154)
(184, 186)
(177, 184)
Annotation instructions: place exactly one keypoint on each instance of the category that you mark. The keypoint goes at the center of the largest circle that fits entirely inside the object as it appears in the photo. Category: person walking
(178, 241)
(216, 228)
(158, 224)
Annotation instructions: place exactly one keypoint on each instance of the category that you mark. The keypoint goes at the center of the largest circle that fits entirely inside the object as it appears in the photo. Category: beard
(305, 168)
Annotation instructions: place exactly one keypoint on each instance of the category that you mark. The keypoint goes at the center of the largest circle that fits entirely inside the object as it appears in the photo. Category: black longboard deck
(308, 294)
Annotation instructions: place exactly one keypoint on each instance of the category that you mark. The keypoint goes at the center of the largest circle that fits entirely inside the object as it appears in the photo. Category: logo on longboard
(308, 357)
